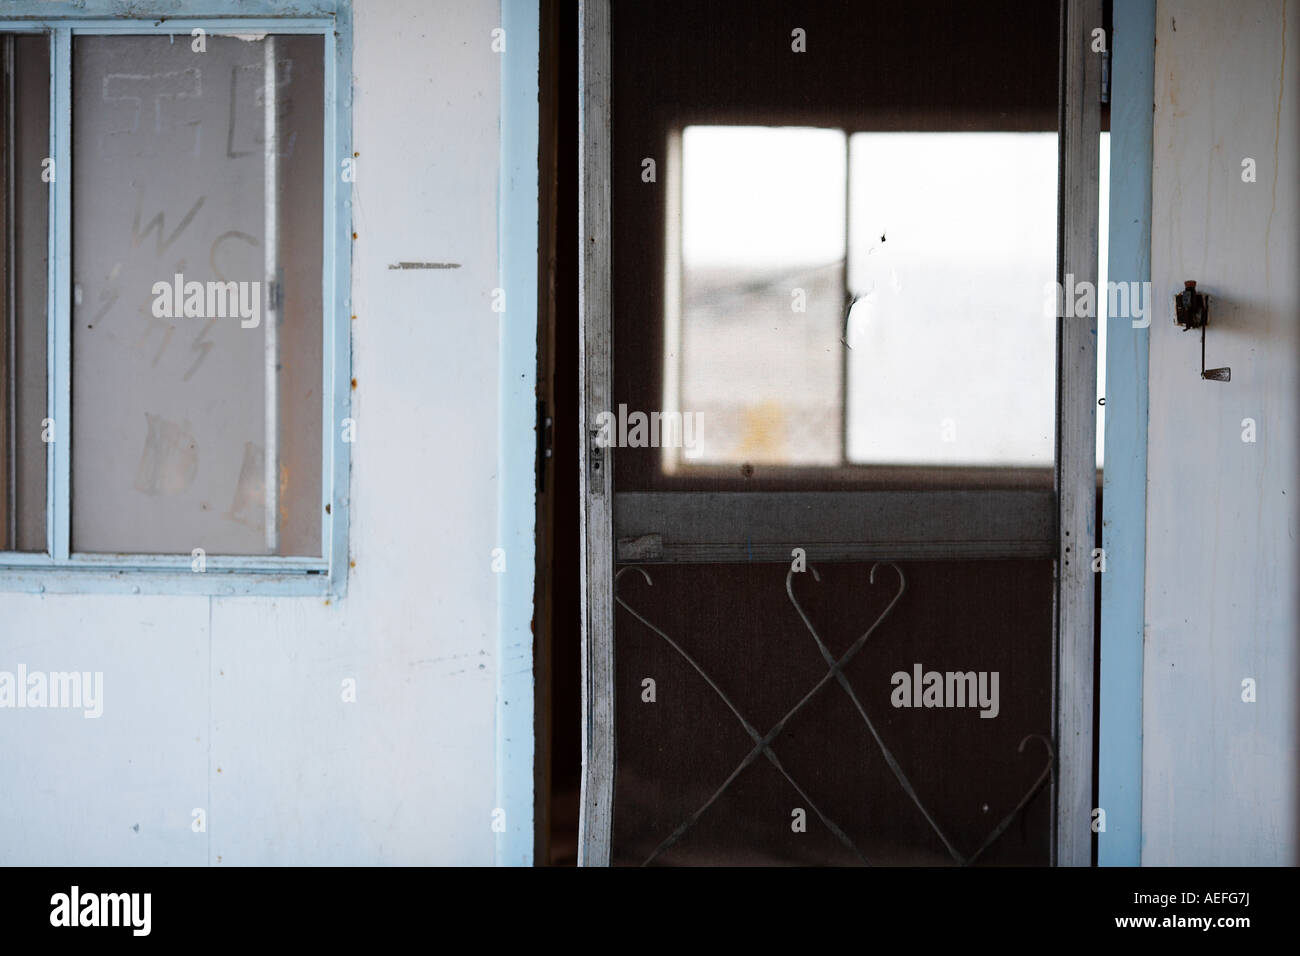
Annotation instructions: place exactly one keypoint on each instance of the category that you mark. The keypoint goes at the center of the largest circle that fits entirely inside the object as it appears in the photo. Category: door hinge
(596, 465)
(544, 448)
(1105, 73)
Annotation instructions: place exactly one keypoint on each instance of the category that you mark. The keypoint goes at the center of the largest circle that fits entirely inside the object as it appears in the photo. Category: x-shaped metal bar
(762, 743)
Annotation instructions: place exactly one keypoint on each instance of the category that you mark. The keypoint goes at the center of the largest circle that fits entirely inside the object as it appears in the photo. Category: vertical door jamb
(595, 334)
(1076, 455)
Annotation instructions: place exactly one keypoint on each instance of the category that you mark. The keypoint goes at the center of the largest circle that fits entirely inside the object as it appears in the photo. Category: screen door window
(894, 293)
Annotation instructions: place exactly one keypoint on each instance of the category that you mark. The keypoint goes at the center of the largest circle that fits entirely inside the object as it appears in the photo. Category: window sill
(84, 579)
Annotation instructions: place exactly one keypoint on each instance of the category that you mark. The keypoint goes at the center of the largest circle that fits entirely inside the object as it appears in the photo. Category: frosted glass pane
(952, 336)
(197, 418)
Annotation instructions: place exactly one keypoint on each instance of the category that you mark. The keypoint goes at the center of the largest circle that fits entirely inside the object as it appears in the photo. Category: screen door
(839, 468)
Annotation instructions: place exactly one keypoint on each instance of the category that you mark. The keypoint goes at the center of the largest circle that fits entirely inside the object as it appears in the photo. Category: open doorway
(837, 261)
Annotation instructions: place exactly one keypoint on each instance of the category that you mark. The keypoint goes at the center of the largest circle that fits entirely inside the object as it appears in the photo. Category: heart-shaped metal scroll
(892, 762)
(762, 744)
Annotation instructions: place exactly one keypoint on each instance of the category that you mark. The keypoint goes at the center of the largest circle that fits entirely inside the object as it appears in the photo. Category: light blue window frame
(59, 570)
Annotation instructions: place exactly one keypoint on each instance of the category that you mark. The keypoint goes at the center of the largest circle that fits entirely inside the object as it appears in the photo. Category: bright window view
(932, 345)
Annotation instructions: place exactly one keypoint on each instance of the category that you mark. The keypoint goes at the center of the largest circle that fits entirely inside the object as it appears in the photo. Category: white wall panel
(406, 773)
(1223, 557)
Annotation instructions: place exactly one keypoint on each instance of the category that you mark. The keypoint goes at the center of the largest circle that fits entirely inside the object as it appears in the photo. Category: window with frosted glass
(197, 295)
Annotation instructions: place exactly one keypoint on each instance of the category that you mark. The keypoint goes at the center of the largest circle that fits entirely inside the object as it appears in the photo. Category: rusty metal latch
(1192, 311)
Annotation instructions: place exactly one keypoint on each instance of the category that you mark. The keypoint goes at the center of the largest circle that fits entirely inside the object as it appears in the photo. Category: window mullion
(60, 307)
(336, 391)
(846, 299)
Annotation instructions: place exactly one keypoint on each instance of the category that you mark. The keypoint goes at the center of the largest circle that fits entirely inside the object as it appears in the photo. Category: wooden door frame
(596, 468)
